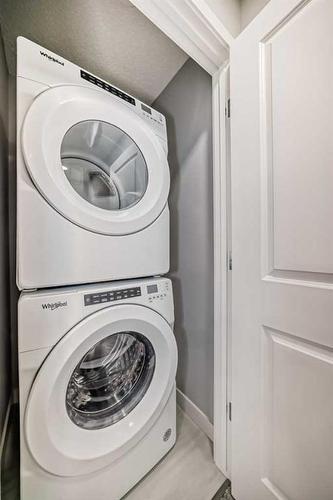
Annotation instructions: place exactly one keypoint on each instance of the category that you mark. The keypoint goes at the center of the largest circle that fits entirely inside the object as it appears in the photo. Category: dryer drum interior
(104, 165)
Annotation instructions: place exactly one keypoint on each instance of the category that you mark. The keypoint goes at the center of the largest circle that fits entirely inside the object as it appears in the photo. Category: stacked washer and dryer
(97, 354)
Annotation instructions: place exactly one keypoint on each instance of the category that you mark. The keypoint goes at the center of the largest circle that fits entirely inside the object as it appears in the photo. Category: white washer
(97, 369)
(92, 177)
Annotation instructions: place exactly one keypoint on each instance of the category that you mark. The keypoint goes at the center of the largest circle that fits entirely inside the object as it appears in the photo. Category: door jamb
(222, 242)
(194, 27)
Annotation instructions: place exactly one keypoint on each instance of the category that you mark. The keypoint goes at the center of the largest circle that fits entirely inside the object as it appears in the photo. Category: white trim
(195, 414)
(193, 26)
(4, 435)
(221, 279)
(215, 24)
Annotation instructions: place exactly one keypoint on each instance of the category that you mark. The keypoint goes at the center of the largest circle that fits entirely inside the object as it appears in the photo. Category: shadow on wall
(4, 278)
(5, 387)
(177, 269)
(174, 195)
(186, 103)
(10, 473)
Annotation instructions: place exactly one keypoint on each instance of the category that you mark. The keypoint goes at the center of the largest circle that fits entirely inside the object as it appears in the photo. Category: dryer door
(95, 160)
(100, 389)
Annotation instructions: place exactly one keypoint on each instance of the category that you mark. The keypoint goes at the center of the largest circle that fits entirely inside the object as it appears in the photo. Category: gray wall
(250, 9)
(186, 102)
(123, 47)
(4, 265)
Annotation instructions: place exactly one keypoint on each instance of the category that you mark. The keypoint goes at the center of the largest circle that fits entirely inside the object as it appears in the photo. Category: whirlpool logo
(52, 306)
(51, 58)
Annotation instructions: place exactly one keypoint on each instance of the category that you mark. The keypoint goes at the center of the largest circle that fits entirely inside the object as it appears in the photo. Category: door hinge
(230, 411)
(227, 109)
(230, 261)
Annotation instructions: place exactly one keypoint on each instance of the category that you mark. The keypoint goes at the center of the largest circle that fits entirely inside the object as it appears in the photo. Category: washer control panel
(158, 292)
(111, 296)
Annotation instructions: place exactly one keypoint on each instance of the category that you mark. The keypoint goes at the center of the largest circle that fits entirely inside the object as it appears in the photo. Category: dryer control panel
(106, 86)
(152, 117)
(36, 63)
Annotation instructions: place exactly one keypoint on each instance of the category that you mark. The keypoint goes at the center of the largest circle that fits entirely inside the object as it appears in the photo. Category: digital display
(146, 109)
(152, 289)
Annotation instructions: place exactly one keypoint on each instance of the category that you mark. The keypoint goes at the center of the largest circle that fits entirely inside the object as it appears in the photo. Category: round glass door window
(110, 380)
(104, 165)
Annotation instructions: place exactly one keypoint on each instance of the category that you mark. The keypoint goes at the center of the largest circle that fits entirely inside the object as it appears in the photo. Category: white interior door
(282, 205)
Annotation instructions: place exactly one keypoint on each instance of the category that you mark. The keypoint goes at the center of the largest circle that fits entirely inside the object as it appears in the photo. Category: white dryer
(92, 177)
(97, 369)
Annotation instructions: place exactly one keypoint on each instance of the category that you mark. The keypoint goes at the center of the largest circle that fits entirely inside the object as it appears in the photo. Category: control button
(111, 296)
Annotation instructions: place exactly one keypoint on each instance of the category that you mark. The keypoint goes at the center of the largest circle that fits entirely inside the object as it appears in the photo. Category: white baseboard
(195, 414)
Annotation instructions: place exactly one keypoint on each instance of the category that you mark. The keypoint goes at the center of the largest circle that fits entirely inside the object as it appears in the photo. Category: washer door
(95, 160)
(100, 390)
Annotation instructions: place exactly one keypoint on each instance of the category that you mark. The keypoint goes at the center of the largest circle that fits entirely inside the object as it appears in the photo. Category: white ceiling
(110, 38)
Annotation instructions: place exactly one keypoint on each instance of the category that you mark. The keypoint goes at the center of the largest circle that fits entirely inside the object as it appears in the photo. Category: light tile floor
(188, 472)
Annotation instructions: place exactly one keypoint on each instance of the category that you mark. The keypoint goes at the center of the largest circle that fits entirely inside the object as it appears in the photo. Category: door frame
(195, 28)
